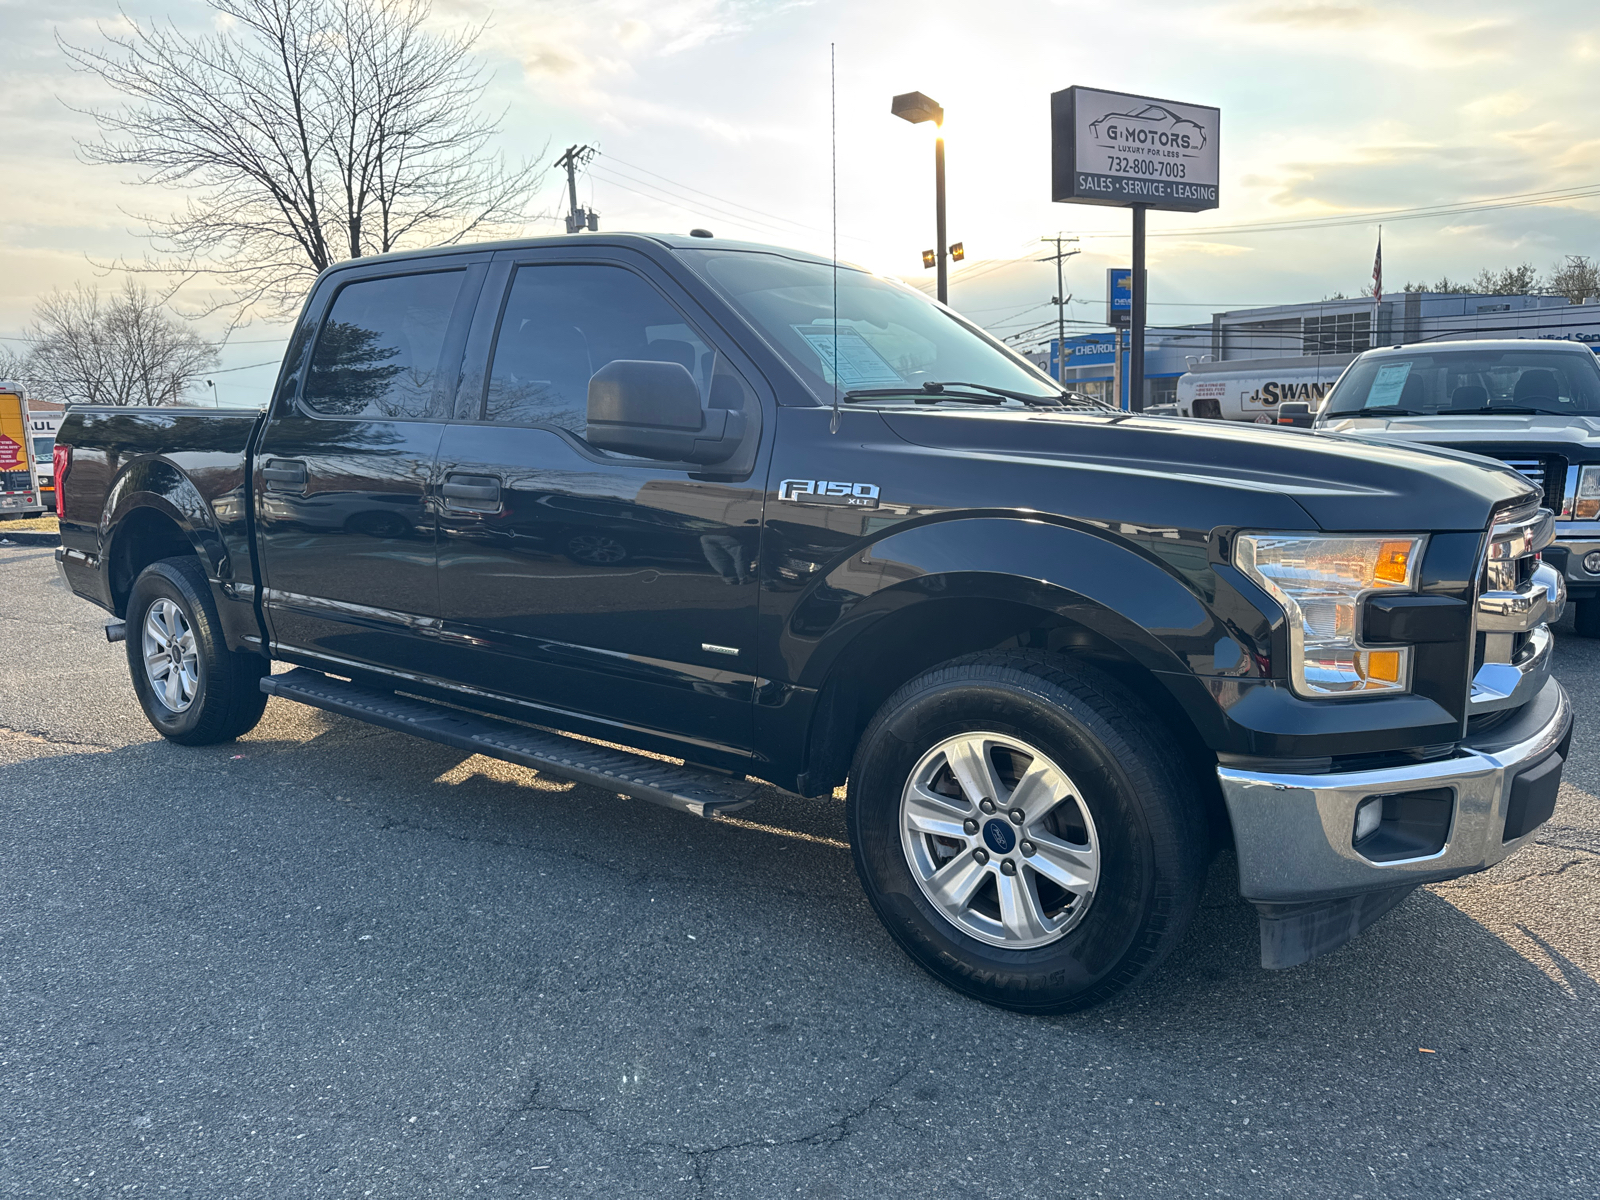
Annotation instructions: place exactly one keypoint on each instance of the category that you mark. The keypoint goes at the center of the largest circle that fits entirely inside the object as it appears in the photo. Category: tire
(1126, 798)
(208, 694)
(1586, 618)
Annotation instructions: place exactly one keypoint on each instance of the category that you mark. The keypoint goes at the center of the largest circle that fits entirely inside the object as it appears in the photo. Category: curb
(24, 537)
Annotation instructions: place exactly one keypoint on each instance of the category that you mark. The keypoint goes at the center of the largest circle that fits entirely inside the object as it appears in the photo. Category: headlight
(1322, 583)
(1586, 501)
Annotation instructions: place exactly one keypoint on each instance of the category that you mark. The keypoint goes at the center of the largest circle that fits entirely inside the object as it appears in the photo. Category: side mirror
(1295, 413)
(652, 409)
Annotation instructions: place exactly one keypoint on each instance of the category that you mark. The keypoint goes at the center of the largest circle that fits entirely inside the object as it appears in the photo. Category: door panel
(596, 588)
(599, 584)
(347, 530)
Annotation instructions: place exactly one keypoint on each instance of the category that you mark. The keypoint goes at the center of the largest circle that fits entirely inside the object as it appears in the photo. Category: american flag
(1377, 270)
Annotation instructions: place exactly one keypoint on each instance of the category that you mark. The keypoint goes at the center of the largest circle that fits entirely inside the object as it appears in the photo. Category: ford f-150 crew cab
(756, 518)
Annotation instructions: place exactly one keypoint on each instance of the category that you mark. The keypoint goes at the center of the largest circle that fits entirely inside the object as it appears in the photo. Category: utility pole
(1060, 301)
(577, 219)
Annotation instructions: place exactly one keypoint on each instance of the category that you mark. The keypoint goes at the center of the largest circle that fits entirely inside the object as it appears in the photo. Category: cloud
(1314, 16)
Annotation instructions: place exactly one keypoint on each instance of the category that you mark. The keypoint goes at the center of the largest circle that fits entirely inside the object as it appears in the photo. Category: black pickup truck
(760, 518)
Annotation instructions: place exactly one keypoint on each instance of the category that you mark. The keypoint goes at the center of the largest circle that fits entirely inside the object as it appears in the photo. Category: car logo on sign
(831, 492)
(1152, 125)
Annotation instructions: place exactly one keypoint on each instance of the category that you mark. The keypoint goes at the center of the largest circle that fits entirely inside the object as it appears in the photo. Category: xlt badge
(831, 492)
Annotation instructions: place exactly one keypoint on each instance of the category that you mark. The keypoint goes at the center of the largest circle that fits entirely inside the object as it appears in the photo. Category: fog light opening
(1591, 562)
(1369, 815)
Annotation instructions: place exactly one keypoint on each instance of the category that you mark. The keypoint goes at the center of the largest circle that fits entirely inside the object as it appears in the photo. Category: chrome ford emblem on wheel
(999, 840)
(170, 663)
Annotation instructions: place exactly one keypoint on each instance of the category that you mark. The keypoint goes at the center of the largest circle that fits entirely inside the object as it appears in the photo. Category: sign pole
(938, 216)
(1116, 368)
(1136, 352)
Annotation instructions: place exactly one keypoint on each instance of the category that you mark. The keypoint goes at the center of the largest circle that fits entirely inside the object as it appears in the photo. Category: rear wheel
(1024, 832)
(1586, 617)
(193, 689)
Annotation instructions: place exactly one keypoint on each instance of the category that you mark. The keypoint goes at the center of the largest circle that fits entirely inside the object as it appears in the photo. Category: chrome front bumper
(1295, 833)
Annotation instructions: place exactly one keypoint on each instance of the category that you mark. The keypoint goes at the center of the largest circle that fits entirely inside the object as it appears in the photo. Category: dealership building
(1327, 327)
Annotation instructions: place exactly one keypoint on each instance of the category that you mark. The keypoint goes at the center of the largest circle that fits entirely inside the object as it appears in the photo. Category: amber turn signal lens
(1394, 562)
(1384, 665)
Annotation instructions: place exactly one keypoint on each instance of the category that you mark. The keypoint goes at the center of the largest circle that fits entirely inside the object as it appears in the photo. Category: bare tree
(306, 132)
(14, 367)
(125, 350)
(1508, 281)
(1577, 278)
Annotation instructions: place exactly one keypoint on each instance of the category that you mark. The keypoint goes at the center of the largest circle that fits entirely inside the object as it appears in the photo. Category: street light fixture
(916, 108)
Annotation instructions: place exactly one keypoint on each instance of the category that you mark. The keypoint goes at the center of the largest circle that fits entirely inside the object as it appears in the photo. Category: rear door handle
(283, 474)
(473, 492)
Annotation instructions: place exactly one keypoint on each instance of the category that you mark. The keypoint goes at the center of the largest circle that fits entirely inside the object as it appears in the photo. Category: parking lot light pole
(916, 108)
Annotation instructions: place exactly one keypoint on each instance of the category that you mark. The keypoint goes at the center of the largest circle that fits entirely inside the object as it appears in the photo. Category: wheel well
(898, 649)
(144, 536)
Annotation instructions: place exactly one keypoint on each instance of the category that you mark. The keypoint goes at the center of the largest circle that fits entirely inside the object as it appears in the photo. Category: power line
(1344, 220)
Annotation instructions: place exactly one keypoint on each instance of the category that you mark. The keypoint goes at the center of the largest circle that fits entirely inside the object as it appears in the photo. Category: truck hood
(1344, 484)
(1578, 437)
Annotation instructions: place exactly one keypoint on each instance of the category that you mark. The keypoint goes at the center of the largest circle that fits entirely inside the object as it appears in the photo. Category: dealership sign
(1117, 149)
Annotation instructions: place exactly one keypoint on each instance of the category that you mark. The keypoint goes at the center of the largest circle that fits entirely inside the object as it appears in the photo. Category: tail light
(60, 464)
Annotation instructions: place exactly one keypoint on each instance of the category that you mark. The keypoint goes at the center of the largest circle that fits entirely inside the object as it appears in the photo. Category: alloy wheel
(999, 840)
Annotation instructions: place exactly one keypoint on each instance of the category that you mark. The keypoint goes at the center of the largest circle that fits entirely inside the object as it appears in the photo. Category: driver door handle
(284, 475)
(473, 493)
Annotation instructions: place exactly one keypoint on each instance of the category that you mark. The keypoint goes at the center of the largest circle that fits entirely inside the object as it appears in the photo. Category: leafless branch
(126, 350)
(305, 132)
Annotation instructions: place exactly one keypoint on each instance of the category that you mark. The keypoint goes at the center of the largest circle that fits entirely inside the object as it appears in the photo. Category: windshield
(1442, 382)
(888, 336)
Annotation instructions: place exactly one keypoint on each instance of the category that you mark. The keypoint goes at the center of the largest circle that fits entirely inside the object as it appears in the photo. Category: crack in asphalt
(830, 1134)
(41, 735)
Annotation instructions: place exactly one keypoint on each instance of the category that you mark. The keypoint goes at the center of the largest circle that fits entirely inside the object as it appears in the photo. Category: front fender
(1120, 590)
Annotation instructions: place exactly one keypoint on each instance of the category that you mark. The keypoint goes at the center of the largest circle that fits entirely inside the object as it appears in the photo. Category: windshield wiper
(1023, 397)
(1383, 412)
(1515, 409)
(931, 392)
(918, 396)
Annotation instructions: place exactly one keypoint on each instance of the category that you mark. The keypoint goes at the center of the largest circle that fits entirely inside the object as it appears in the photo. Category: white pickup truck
(1533, 405)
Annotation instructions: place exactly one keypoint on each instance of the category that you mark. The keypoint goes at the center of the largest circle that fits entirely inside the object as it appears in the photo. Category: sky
(717, 114)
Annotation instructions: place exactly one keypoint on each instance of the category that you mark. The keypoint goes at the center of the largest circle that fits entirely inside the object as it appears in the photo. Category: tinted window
(888, 335)
(563, 322)
(378, 351)
(1440, 381)
(44, 448)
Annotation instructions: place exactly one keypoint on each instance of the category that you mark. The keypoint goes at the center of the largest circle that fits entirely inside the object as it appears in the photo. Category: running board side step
(702, 793)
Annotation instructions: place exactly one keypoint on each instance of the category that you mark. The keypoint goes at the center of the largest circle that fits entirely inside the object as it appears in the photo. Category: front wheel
(193, 689)
(1024, 832)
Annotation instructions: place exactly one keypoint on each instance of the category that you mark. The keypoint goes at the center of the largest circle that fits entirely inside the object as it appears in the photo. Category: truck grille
(1549, 472)
(1518, 596)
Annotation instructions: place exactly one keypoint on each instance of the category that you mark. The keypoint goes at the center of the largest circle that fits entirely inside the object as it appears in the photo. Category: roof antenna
(833, 116)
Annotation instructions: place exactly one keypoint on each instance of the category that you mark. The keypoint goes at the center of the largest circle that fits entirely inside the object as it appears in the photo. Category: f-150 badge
(830, 492)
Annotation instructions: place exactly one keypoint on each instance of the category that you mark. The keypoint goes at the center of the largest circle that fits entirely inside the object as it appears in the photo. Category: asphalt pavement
(328, 960)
